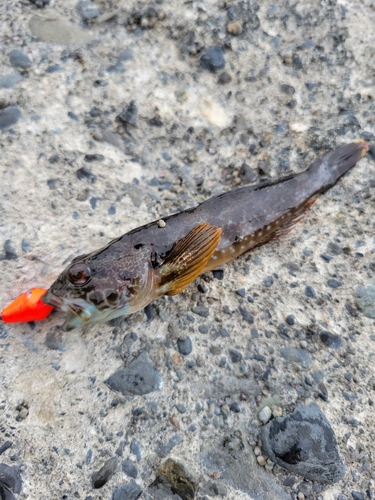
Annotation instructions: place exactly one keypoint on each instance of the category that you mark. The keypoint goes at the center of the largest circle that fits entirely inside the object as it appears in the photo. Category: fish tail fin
(335, 164)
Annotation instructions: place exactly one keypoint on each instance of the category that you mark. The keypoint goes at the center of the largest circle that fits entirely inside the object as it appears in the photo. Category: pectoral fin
(188, 258)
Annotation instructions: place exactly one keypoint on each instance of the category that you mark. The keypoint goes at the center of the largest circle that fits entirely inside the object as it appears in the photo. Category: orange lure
(26, 307)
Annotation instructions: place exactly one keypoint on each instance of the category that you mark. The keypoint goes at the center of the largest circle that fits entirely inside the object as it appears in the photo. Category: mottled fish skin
(143, 264)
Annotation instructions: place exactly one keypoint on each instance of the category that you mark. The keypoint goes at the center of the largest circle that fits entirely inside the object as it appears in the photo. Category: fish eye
(79, 274)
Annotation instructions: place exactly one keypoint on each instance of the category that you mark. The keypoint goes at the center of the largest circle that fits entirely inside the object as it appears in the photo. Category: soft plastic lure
(26, 307)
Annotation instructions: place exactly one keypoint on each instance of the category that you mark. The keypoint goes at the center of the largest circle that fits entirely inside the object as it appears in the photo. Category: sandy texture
(299, 81)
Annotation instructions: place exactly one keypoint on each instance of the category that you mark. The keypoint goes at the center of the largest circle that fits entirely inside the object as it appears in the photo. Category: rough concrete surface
(287, 82)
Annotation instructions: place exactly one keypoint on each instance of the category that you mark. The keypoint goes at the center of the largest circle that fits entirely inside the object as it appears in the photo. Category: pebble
(213, 59)
(139, 377)
(224, 78)
(164, 449)
(295, 355)
(331, 339)
(268, 281)
(290, 319)
(9, 116)
(130, 491)
(247, 174)
(136, 449)
(234, 28)
(181, 408)
(103, 475)
(357, 495)
(201, 311)
(364, 297)
(55, 29)
(261, 460)
(129, 114)
(88, 10)
(332, 283)
(265, 414)
(184, 345)
(304, 443)
(10, 481)
(310, 292)
(5, 446)
(9, 81)
(19, 59)
(180, 477)
(10, 253)
(235, 355)
(246, 315)
(126, 55)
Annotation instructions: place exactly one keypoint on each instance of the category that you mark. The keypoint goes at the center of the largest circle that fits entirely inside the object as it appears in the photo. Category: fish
(166, 255)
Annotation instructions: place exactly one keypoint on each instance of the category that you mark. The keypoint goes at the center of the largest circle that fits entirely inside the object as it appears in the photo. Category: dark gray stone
(10, 477)
(164, 449)
(305, 444)
(19, 59)
(140, 377)
(129, 114)
(213, 59)
(201, 311)
(136, 449)
(310, 292)
(129, 491)
(103, 475)
(10, 253)
(9, 116)
(296, 356)
(332, 283)
(235, 355)
(331, 339)
(185, 345)
(235, 461)
(246, 315)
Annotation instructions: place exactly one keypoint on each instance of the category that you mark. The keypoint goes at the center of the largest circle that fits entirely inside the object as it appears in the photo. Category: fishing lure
(26, 307)
(163, 257)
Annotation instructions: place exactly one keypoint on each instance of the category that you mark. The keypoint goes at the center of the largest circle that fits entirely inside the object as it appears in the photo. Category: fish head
(98, 287)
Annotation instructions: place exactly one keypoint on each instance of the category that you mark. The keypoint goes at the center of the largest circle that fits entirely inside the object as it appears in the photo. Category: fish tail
(333, 165)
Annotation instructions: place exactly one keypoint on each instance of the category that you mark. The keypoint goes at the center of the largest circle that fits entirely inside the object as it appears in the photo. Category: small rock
(9, 116)
(331, 339)
(224, 78)
(139, 377)
(201, 311)
(102, 476)
(84, 173)
(180, 477)
(247, 174)
(131, 491)
(10, 253)
(334, 283)
(125, 55)
(246, 315)
(136, 449)
(290, 319)
(40, 3)
(234, 28)
(268, 281)
(164, 449)
(265, 414)
(129, 468)
(88, 10)
(287, 89)
(93, 157)
(185, 345)
(9, 81)
(213, 59)
(10, 477)
(305, 444)
(129, 114)
(261, 460)
(19, 59)
(294, 355)
(55, 29)
(365, 299)
(310, 292)
(235, 355)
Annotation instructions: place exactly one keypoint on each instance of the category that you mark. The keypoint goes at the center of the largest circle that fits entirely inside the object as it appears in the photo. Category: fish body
(164, 256)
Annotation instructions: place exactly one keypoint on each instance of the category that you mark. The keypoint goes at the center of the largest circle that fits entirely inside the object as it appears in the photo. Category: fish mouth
(78, 310)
